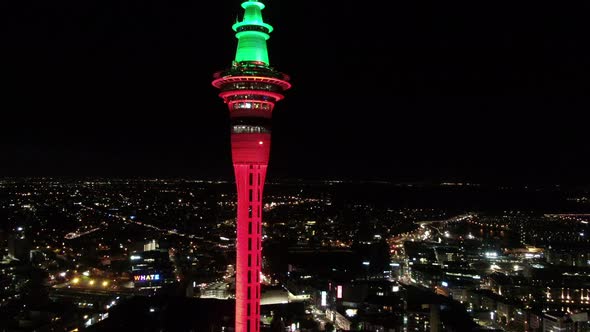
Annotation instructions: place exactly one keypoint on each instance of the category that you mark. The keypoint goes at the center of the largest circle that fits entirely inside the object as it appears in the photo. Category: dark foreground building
(166, 313)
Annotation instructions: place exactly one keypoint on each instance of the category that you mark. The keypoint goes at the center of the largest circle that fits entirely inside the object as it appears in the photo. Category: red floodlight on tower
(250, 88)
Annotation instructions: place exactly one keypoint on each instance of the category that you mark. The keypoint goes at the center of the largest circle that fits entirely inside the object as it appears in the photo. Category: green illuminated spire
(252, 34)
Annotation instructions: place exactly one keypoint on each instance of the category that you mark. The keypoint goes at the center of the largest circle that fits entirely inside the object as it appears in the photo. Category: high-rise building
(152, 245)
(19, 245)
(151, 269)
(250, 88)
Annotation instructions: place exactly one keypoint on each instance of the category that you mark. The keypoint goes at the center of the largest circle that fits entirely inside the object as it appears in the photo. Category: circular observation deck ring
(230, 93)
(218, 83)
(253, 27)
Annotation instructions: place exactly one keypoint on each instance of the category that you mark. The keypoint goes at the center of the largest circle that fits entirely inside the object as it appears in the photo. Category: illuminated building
(151, 269)
(250, 88)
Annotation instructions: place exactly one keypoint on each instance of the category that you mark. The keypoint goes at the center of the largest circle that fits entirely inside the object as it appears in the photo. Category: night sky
(483, 91)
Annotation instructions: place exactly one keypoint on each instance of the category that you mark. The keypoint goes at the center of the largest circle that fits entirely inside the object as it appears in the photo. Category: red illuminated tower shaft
(250, 88)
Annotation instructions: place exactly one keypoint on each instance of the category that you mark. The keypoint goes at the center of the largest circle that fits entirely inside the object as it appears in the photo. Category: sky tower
(250, 88)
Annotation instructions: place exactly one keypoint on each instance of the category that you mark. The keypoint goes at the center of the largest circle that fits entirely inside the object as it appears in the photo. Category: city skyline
(428, 167)
(427, 92)
(159, 254)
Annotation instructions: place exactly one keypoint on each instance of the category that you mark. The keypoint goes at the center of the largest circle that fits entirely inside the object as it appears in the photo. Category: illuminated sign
(324, 298)
(146, 277)
(339, 292)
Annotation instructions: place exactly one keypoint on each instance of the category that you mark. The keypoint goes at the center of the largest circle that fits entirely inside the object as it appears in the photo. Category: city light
(491, 254)
(350, 312)
(324, 298)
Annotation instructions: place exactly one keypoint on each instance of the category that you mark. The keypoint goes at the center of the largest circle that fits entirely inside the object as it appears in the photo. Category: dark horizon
(413, 92)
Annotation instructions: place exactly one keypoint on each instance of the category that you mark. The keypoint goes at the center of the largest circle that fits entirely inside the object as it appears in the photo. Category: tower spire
(252, 33)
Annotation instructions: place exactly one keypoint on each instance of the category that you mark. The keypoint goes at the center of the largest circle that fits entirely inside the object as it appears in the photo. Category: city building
(151, 269)
(19, 245)
(250, 88)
